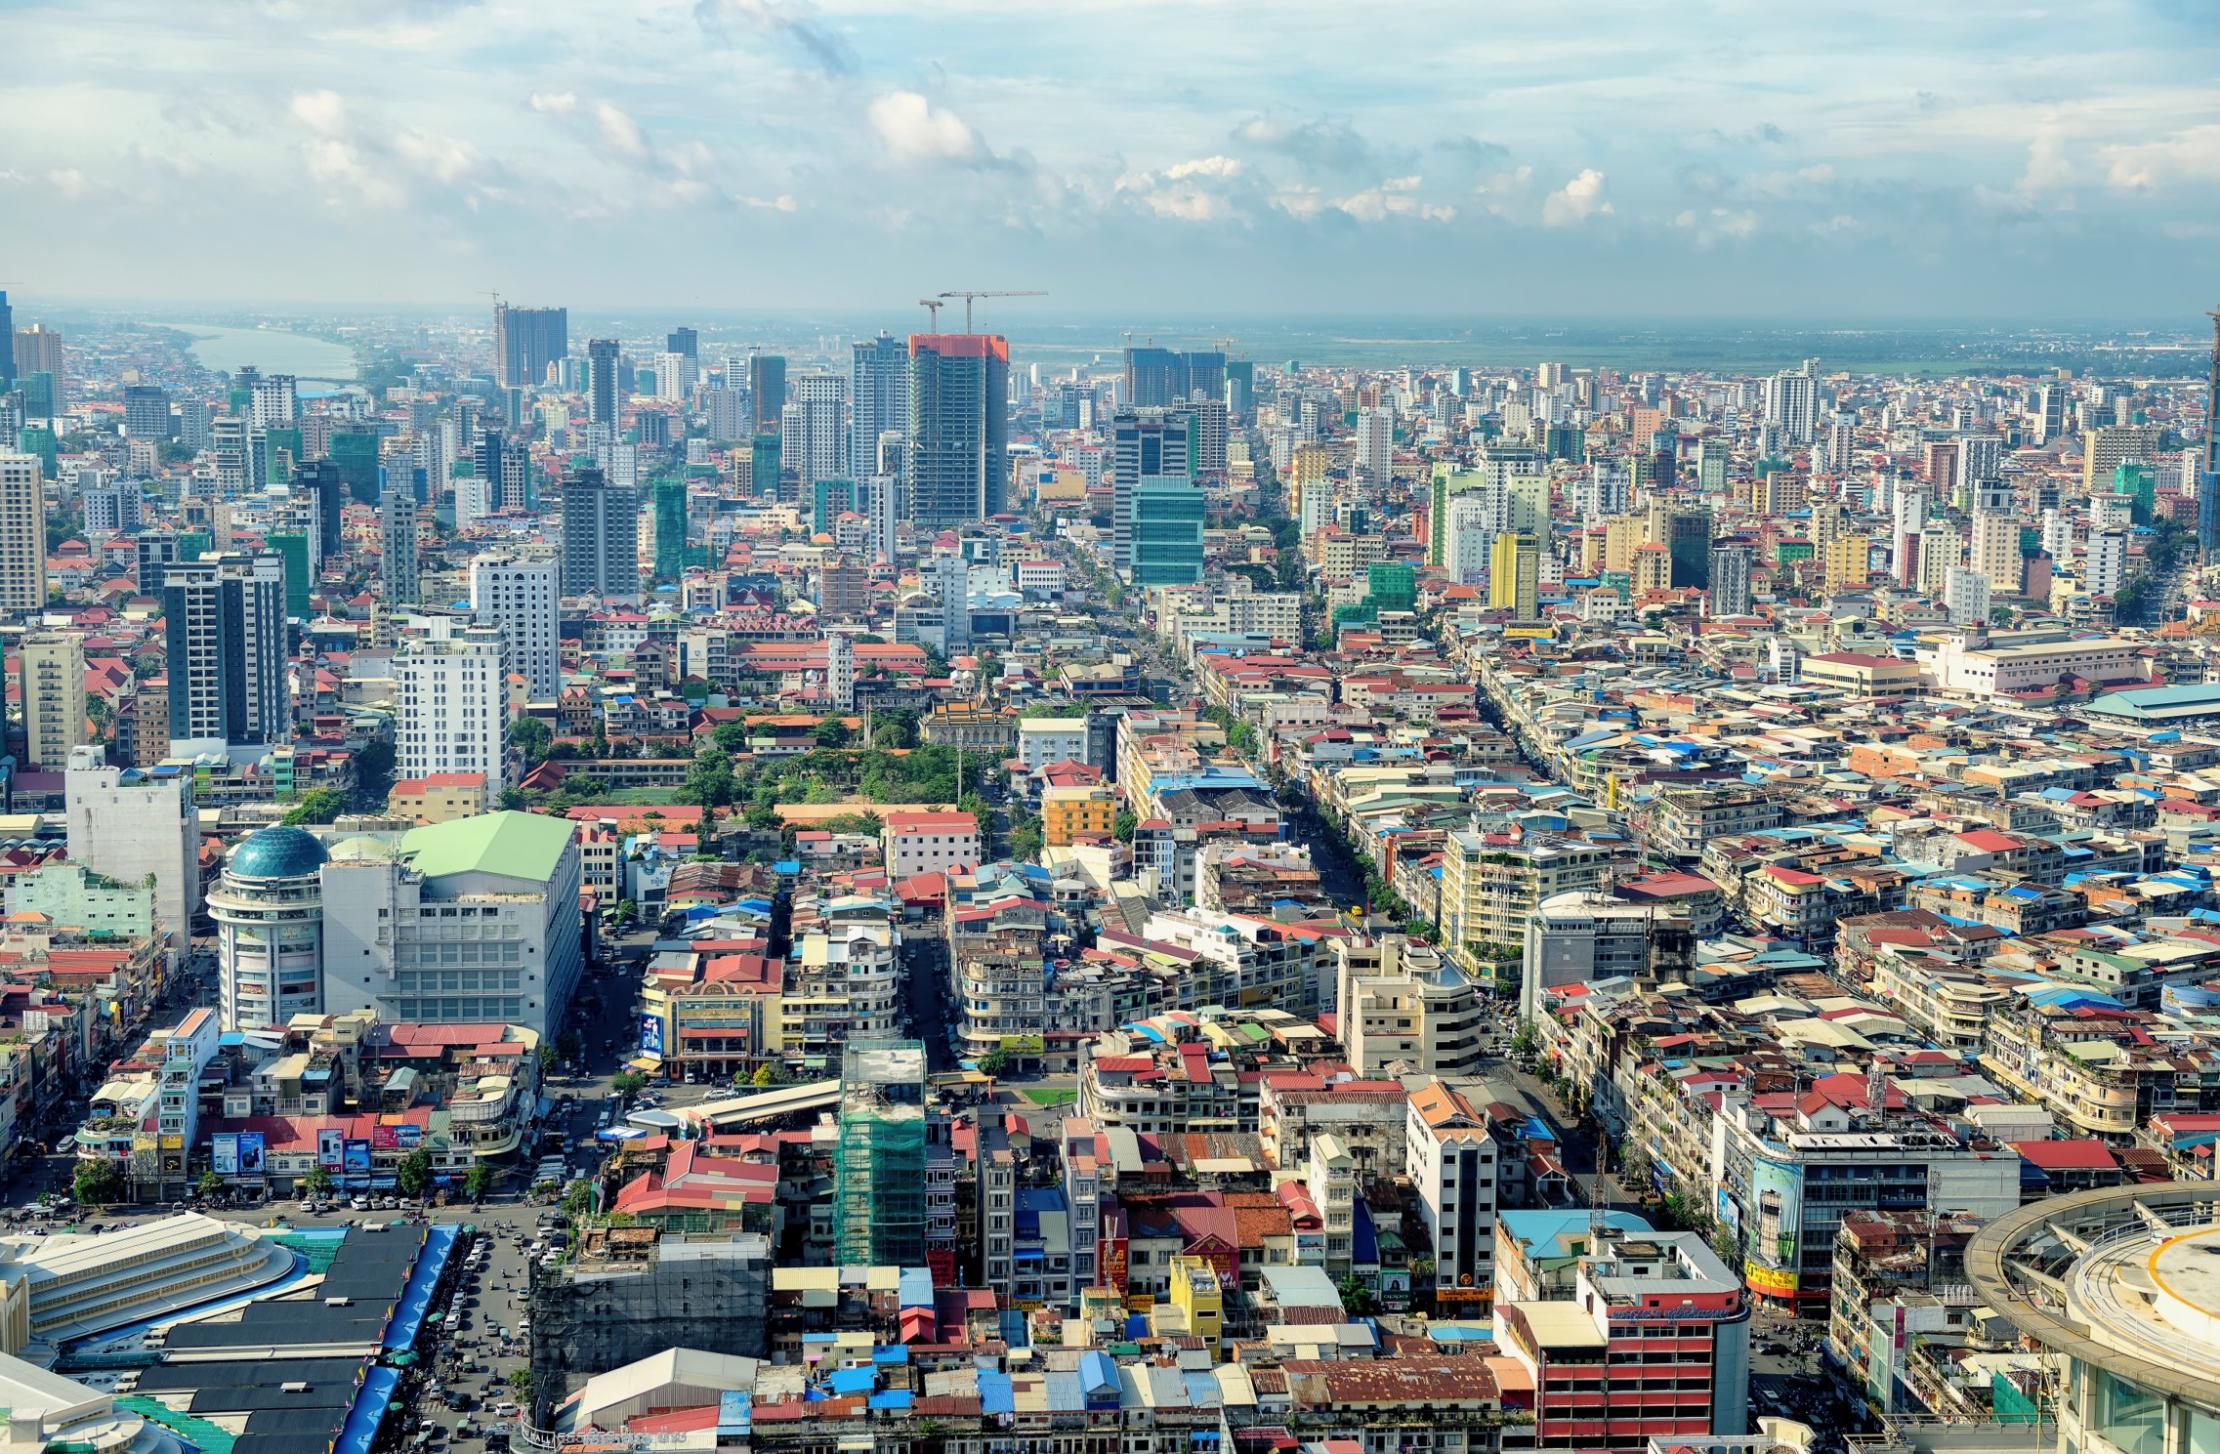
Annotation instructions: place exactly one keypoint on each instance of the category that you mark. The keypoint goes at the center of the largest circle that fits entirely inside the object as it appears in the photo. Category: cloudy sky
(1880, 161)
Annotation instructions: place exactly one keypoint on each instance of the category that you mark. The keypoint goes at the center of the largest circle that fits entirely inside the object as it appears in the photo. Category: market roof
(516, 845)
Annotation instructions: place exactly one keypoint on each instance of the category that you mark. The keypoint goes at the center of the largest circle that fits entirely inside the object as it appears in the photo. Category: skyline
(786, 157)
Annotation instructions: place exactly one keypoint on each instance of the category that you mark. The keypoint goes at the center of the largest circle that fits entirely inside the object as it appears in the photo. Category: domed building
(268, 906)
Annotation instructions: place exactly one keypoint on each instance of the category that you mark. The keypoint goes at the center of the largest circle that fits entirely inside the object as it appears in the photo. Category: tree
(97, 1183)
(414, 1175)
(1122, 826)
(766, 1075)
(318, 1182)
(533, 738)
(318, 805)
(731, 737)
(578, 1201)
(548, 1058)
(374, 771)
(627, 914)
(478, 1180)
(709, 784)
(627, 1084)
(209, 1186)
(894, 727)
(830, 732)
(520, 1379)
(995, 1061)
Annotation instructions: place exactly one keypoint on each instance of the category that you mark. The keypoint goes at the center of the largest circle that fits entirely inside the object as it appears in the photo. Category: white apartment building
(1450, 1158)
(917, 843)
(522, 595)
(453, 712)
(1043, 740)
(130, 826)
(53, 683)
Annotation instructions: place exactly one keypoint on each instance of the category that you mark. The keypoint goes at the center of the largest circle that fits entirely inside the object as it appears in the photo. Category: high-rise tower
(959, 427)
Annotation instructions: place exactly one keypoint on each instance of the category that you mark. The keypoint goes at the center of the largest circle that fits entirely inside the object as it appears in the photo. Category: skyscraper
(686, 341)
(146, 412)
(1157, 377)
(959, 427)
(1514, 576)
(1792, 401)
(1730, 578)
(454, 712)
(22, 533)
(603, 394)
(1375, 446)
(273, 400)
(53, 691)
(224, 618)
(1996, 539)
(520, 595)
(7, 343)
(767, 387)
(397, 565)
(525, 342)
(1144, 444)
(1166, 530)
(818, 442)
(601, 537)
(879, 397)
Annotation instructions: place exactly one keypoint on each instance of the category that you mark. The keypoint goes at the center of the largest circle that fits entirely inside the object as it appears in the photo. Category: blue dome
(275, 853)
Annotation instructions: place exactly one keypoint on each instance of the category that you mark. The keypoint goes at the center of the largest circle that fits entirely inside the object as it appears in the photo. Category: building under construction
(879, 1206)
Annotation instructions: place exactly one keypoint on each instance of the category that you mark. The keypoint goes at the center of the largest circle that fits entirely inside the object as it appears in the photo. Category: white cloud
(320, 111)
(2048, 168)
(1576, 201)
(1395, 197)
(2191, 155)
(620, 131)
(70, 182)
(555, 103)
(1210, 166)
(1718, 224)
(442, 157)
(913, 129)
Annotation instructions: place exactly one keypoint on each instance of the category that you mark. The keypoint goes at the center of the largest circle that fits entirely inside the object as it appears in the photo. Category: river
(273, 350)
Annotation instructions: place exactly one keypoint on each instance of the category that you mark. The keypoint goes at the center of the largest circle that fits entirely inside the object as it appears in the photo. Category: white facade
(1967, 597)
(1792, 401)
(453, 711)
(818, 448)
(1375, 445)
(2106, 568)
(131, 827)
(1451, 1161)
(521, 595)
(930, 843)
(1043, 740)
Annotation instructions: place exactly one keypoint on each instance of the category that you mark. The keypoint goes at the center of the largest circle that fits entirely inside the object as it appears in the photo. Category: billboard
(385, 1138)
(331, 1147)
(651, 1034)
(1772, 1226)
(252, 1148)
(358, 1155)
(408, 1138)
(223, 1154)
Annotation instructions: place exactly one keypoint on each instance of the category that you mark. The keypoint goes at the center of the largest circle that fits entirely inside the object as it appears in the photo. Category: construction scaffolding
(880, 1191)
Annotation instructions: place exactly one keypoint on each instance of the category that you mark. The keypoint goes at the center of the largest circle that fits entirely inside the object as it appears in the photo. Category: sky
(1883, 161)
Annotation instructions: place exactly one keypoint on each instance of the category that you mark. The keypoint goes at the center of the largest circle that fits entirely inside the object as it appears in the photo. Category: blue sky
(1640, 160)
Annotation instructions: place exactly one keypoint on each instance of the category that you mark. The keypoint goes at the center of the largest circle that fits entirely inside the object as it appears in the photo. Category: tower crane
(968, 294)
(932, 307)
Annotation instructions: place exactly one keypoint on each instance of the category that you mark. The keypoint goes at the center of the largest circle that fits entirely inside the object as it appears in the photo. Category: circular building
(2122, 1284)
(268, 906)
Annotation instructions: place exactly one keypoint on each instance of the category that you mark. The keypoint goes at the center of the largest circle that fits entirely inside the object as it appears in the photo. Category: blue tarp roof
(416, 1294)
(360, 1432)
(995, 1393)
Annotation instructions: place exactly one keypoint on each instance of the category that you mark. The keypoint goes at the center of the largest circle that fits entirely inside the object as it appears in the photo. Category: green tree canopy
(318, 805)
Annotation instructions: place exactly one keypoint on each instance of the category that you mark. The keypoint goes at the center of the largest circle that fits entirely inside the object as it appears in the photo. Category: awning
(644, 1061)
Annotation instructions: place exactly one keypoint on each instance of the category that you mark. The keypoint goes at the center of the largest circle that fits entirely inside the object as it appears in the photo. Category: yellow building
(1847, 556)
(1653, 569)
(53, 696)
(1514, 576)
(1199, 1301)
(441, 797)
(1622, 534)
(1307, 466)
(1070, 813)
(2106, 449)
